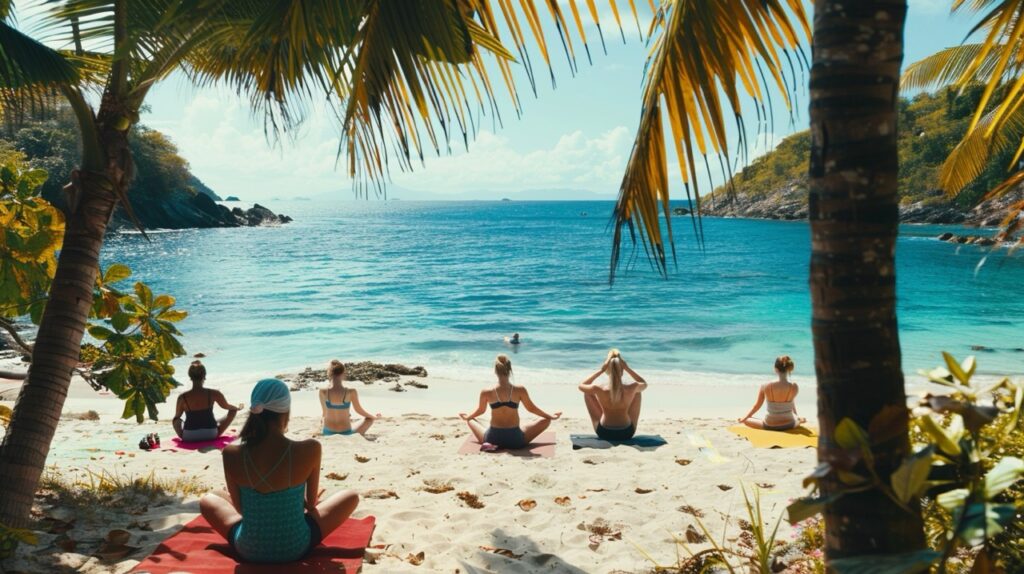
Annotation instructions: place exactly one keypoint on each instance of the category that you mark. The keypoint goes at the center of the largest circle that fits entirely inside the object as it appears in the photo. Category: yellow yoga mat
(800, 437)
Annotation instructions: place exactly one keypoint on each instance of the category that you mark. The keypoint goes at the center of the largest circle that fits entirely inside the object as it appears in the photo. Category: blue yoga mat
(638, 441)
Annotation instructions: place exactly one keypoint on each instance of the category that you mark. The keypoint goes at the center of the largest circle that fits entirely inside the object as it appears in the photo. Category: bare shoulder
(308, 447)
(231, 452)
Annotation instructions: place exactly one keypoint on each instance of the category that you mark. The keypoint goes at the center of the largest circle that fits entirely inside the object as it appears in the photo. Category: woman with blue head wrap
(272, 511)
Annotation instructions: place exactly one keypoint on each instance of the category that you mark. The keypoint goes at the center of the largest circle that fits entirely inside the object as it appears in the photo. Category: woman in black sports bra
(197, 406)
(504, 399)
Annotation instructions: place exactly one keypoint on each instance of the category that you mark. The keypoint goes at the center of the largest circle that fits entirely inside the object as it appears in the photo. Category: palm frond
(691, 81)
(30, 75)
(972, 155)
(946, 67)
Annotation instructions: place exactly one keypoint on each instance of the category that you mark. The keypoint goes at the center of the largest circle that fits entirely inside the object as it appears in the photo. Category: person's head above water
(784, 365)
(515, 337)
(502, 366)
(271, 403)
(197, 372)
(336, 369)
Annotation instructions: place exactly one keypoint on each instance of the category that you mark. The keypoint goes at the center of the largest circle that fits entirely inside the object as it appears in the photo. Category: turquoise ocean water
(440, 283)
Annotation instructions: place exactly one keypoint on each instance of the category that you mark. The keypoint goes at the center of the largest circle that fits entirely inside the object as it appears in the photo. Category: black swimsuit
(511, 437)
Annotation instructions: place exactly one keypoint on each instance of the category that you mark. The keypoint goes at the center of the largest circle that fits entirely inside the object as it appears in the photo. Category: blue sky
(574, 137)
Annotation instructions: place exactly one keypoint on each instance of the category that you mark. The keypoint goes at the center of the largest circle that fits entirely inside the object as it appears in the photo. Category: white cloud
(575, 162)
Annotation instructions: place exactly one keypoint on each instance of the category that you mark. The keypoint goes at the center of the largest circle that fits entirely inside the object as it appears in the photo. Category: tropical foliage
(135, 332)
(967, 466)
(995, 60)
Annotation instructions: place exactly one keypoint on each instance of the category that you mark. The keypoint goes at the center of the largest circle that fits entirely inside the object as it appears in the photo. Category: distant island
(505, 199)
(232, 198)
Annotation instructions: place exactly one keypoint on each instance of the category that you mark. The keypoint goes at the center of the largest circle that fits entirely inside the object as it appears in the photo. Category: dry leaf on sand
(336, 476)
(527, 504)
(115, 546)
(416, 559)
(502, 551)
(360, 458)
(724, 487)
(471, 500)
(683, 461)
(434, 486)
(563, 500)
(380, 494)
(694, 537)
(643, 490)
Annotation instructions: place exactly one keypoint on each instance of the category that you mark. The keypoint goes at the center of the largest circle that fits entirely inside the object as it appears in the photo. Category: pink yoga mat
(543, 445)
(198, 549)
(217, 443)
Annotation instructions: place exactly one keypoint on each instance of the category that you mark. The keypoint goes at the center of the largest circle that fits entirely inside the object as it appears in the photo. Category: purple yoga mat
(217, 443)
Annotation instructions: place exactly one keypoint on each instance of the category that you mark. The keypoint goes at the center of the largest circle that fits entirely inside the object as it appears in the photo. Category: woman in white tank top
(780, 397)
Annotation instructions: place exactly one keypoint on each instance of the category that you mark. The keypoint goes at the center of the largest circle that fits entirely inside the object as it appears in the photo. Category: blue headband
(271, 395)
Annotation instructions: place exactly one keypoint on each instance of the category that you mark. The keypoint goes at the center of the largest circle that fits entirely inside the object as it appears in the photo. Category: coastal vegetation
(930, 125)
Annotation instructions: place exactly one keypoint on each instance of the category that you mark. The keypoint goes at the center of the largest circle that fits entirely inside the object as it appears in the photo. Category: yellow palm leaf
(701, 50)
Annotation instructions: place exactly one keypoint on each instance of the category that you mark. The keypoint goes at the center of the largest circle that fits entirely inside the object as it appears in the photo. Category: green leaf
(806, 507)
(939, 376)
(163, 301)
(121, 321)
(100, 332)
(851, 435)
(129, 405)
(145, 294)
(953, 498)
(982, 521)
(1006, 472)
(909, 479)
(907, 563)
(172, 315)
(968, 366)
(944, 441)
(955, 369)
(116, 272)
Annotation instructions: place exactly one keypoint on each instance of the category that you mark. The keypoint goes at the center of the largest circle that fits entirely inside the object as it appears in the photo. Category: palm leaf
(946, 67)
(691, 81)
(30, 74)
(972, 155)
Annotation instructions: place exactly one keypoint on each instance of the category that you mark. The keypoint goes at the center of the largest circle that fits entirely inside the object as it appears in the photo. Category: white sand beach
(538, 514)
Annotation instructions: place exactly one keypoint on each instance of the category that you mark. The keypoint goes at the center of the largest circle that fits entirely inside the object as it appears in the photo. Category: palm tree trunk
(854, 216)
(58, 343)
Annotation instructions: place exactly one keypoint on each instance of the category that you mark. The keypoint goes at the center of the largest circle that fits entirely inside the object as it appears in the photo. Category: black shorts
(615, 434)
(512, 437)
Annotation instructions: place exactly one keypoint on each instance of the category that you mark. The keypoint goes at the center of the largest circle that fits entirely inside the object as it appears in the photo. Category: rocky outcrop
(790, 202)
(365, 371)
(979, 240)
(184, 209)
(232, 198)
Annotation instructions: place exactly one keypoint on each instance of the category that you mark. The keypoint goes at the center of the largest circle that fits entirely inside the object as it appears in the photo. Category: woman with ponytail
(272, 511)
(504, 400)
(780, 396)
(614, 407)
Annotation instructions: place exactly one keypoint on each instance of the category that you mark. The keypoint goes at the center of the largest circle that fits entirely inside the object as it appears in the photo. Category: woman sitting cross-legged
(504, 399)
(780, 396)
(614, 408)
(336, 412)
(271, 511)
(196, 404)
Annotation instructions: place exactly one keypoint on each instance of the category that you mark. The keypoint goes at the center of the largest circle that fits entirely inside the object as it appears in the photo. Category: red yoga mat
(543, 446)
(198, 549)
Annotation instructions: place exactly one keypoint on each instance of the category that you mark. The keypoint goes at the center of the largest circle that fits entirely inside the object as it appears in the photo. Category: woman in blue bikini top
(337, 401)
(272, 510)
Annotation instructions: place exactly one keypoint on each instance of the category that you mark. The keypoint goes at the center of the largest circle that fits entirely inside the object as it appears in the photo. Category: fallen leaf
(563, 500)
(589, 461)
(115, 547)
(362, 458)
(380, 494)
(693, 536)
(597, 489)
(416, 559)
(691, 511)
(437, 486)
(336, 476)
(765, 485)
(470, 499)
(527, 504)
(724, 487)
(683, 461)
(502, 551)
(643, 490)
(437, 436)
